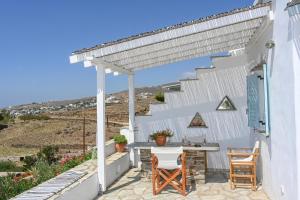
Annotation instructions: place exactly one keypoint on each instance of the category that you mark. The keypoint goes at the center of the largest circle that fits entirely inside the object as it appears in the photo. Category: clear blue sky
(37, 38)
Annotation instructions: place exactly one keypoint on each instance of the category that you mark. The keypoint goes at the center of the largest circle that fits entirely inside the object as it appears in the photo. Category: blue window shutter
(253, 101)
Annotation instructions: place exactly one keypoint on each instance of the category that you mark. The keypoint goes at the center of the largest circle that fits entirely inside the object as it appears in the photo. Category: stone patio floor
(132, 187)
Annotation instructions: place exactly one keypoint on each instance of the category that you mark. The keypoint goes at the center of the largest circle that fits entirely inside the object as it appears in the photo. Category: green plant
(160, 97)
(10, 188)
(29, 161)
(33, 117)
(166, 133)
(5, 117)
(42, 171)
(9, 166)
(88, 156)
(71, 163)
(120, 139)
(49, 154)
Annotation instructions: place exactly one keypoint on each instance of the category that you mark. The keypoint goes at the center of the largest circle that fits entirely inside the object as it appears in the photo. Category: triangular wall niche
(197, 121)
(226, 104)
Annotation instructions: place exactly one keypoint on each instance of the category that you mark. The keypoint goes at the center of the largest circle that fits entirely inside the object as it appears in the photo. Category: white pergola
(218, 33)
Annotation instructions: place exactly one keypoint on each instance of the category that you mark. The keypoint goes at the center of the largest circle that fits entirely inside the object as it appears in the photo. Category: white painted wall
(279, 169)
(117, 168)
(87, 189)
(228, 128)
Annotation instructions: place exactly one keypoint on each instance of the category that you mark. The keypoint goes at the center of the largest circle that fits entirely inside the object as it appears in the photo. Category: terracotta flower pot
(120, 147)
(161, 140)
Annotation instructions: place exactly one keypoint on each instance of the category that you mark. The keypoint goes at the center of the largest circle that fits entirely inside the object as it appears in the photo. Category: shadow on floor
(133, 179)
(216, 177)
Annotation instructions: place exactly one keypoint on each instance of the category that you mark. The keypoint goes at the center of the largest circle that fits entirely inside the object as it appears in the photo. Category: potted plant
(120, 141)
(160, 137)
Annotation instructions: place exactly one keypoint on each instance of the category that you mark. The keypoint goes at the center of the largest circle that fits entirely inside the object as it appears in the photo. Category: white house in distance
(251, 94)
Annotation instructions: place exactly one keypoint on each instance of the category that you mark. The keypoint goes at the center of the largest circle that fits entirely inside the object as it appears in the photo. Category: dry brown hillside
(65, 128)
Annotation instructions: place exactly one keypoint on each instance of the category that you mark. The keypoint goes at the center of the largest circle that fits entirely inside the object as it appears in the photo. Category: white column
(131, 107)
(100, 137)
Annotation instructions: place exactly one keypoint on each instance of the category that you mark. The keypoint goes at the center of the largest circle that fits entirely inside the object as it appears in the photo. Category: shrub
(160, 97)
(120, 139)
(9, 188)
(33, 117)
(9, 166)
(88, 156)
(49, 154)
(166, 133)
(70, 162)
(29, 161)
(5, 117)
(42, 171)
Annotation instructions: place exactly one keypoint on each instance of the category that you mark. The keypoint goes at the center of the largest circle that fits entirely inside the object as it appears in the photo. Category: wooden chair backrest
(167, 157)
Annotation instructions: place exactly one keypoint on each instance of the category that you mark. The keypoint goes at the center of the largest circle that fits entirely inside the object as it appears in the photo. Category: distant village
(68, 105)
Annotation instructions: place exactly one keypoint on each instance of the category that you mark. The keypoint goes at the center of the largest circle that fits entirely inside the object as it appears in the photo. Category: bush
(88, 156)
(9, 166)
(160, 97)
(34, 117)
(120, 139)
(5, 117)
(70, 162)
(42, 171)
(29, 161)
(49, 154)
(9, 188)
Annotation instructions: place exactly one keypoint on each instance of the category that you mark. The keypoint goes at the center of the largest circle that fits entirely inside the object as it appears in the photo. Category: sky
(37, 38)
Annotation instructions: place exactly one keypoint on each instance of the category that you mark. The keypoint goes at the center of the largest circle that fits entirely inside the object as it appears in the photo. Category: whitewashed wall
(279, 160)
(228, 128)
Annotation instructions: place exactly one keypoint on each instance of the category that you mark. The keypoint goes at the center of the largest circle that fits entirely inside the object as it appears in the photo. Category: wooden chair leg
(231, 177)
(153, 182)
(184, 182)
(158, 180)
(254, 178)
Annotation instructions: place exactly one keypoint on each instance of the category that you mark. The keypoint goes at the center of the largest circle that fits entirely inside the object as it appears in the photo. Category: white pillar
(131, 110)
(100, 137)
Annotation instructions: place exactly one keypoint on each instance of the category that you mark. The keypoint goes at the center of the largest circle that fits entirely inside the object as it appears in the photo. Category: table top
(192, 146)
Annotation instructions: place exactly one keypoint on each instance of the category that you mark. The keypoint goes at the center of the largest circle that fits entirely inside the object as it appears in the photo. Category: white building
(261, 79)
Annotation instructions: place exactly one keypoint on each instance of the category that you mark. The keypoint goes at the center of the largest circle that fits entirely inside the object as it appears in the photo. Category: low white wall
(116, 169)
(109, 148)
(86, 189)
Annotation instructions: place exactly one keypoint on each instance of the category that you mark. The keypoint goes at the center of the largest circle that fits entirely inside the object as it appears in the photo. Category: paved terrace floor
(132, 187)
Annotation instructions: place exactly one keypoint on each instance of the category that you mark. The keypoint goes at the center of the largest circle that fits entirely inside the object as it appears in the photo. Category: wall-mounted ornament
(197, 122)
(226, 104)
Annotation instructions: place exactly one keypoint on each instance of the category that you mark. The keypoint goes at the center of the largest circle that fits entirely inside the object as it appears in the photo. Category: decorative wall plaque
(226, 104)
(197, 121)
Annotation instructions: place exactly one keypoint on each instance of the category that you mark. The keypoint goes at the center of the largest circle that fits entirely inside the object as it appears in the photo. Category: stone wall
(195, 160)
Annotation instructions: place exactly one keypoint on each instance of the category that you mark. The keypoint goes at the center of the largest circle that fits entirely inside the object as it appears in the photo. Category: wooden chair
(243, 165)
(168, 163)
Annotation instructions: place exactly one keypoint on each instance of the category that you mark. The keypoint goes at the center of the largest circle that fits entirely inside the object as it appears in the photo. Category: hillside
(65, 126)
